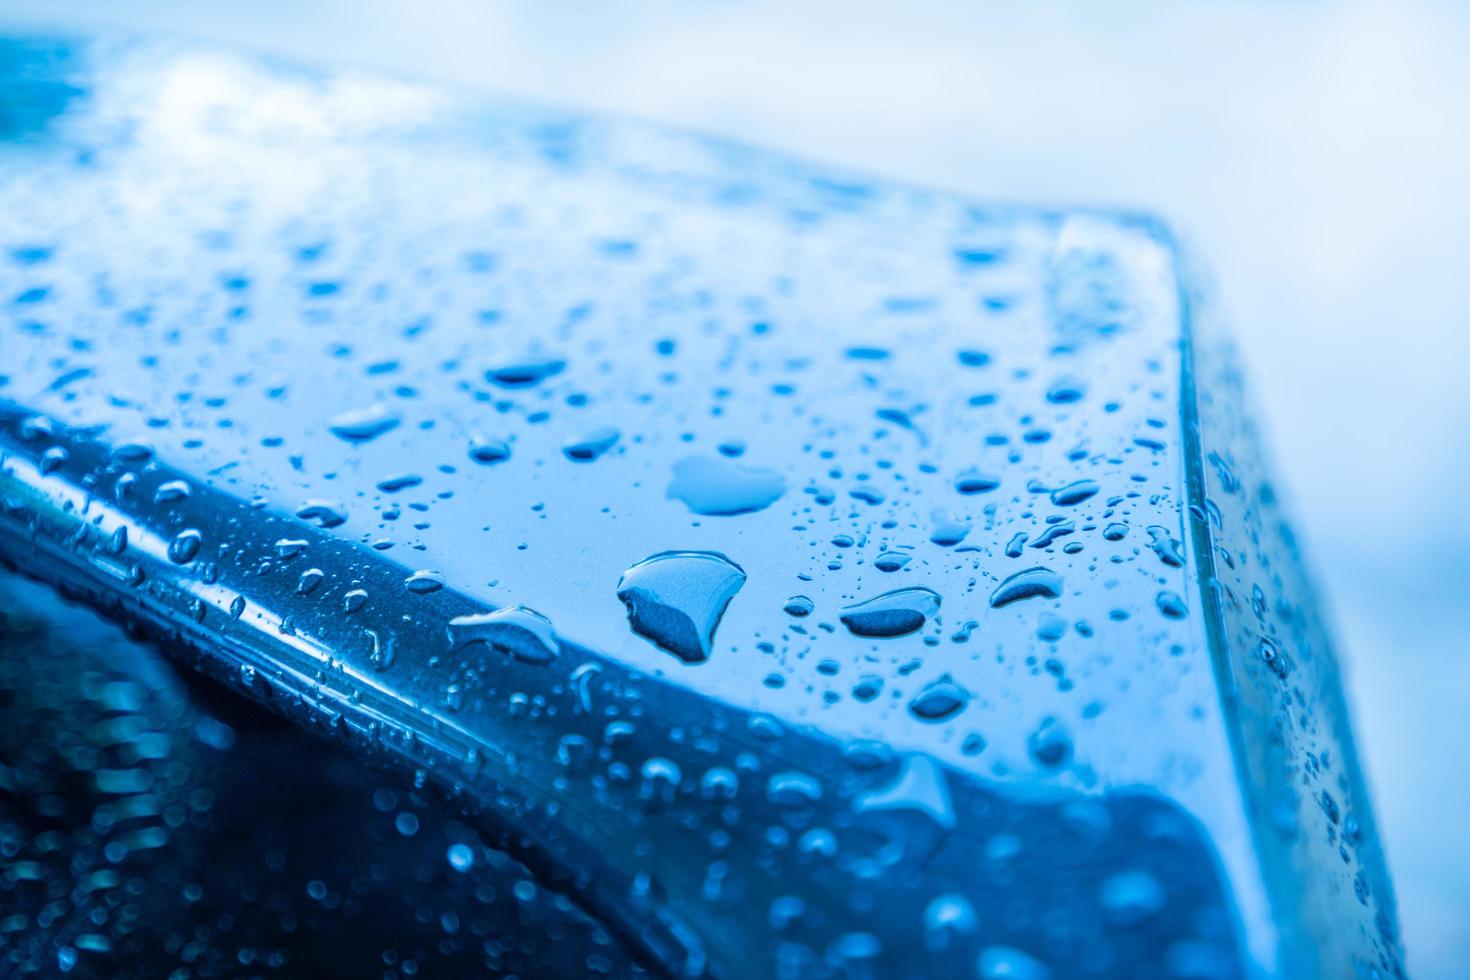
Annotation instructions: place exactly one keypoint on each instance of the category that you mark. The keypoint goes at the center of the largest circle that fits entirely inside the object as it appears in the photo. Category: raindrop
(171, 491)
(423, 582)
(523, 633)
(675, 599)
(1074, 493)
(363, 425)
(1025, 585)
(184, 546)
(322, 513)
(716, 487)
(1130, 898)
(1050, 745)
(939, 701)
(489, 451)
(592, 446)
(895, 613)
(1171, 605)
(524, 375)
(798, 606)
(947, 530)
(1165, 546)
(890, 561)
(974, 481)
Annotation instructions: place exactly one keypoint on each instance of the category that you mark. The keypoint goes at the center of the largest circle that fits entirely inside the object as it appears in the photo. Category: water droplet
(798, 606)
(237, 607)
(939, 701)
(461, 857)
(1066, 390)
(384, 649)
(423, 582)
(523, 633)
(1165, 546)
(1171, 605)
(402, 481)
(354, 600)
(1050, 745)
(920, 786)
(309, 580)
(184, 546)
(890, 561)
(895, 613)
(793, 789)
(52, 458)
(1074, 493)
(1130, 898)
(592, 446)
(716, 487)
(322, 513)
(363, 425)
(947, 530)
(1025, 585)
(1008, 963)
(171, 491)
(675, 599)
(946, 916)
(524, 375)
(974, 481)
(487, 452)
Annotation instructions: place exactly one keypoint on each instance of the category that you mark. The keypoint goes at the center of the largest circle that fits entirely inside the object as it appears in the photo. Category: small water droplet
(939, 701)
(1171, 605)
(487, 452)
(592, 446)
(975, 481)
(947, 530)
(383, 650)
(1130, 898)
(171, 491)
(524, 375)
(309, 580)
(52, 458)
(1165, 546)
(322, 513)
(423, 582)
(798, 606)
(184, 546)
(1049, 745)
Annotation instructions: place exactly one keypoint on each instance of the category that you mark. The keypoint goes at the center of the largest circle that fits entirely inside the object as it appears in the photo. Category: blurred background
(1315, 153)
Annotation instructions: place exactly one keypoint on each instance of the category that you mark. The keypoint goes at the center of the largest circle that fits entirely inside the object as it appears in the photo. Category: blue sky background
(1316, 154)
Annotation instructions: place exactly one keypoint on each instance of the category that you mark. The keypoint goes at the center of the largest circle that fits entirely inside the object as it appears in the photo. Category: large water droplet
(893, 613)
(1025, 585)
(675, 599)
(716, 487)
(523, 633)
